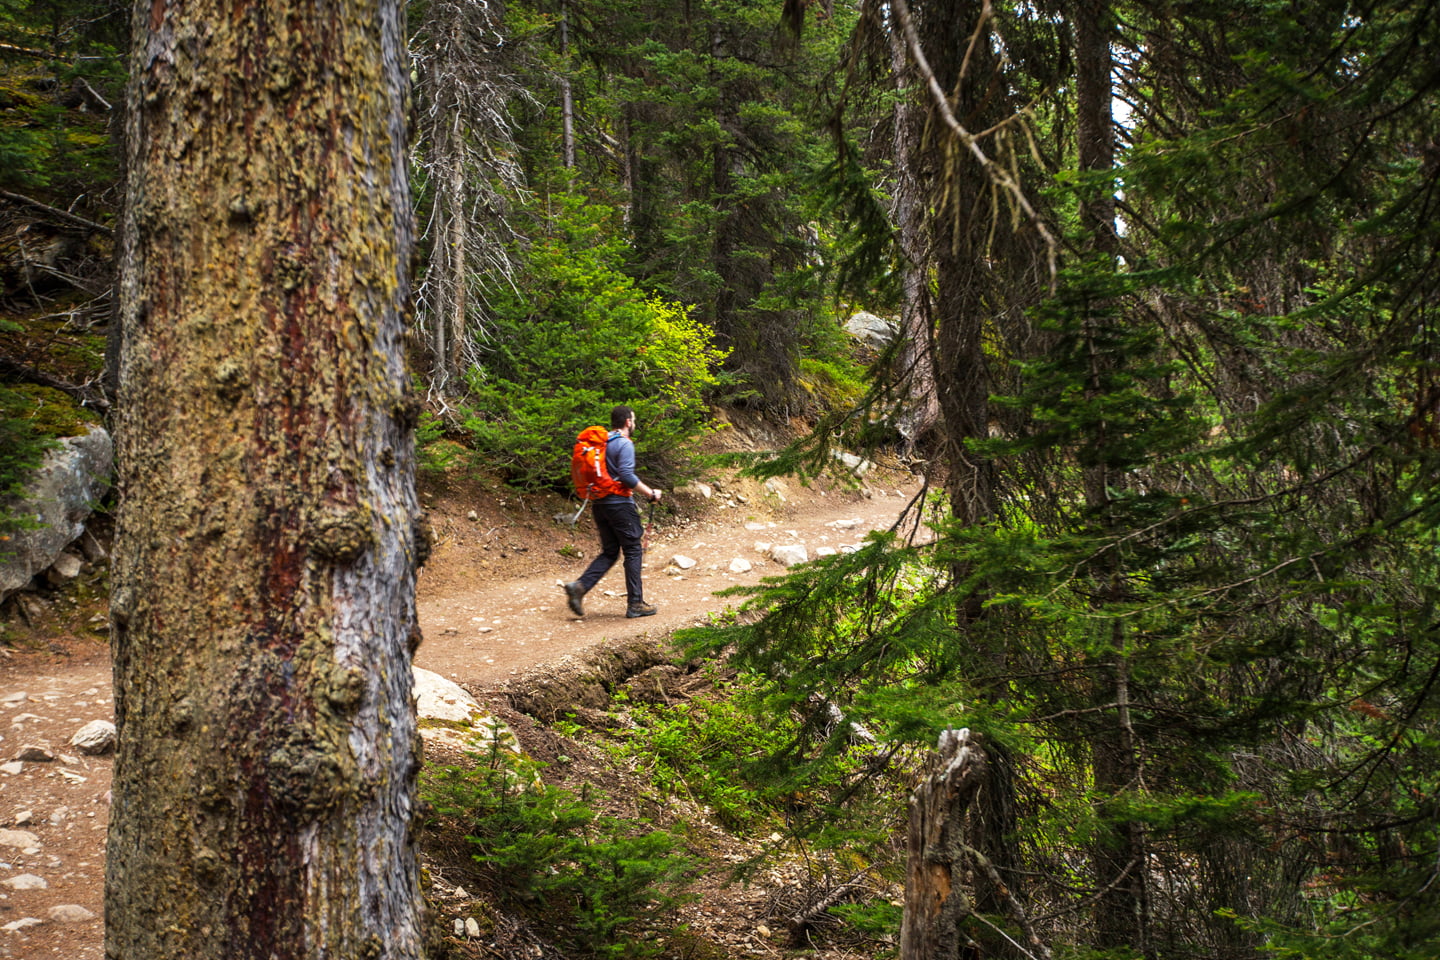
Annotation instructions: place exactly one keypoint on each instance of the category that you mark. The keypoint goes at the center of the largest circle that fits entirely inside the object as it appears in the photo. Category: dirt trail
(490, 607)
(483, 631)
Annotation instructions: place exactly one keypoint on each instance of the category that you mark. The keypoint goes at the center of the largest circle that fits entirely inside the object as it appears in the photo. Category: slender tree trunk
(916, 362)
(263, 614)
(457, 258)
(567, 101)
(1119, 853)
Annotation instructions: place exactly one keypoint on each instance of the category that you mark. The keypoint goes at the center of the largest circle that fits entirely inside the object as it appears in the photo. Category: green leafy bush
(598, 876)
(573, 340)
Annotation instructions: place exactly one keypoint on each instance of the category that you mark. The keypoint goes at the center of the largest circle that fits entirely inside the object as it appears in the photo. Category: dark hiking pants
(618, 522)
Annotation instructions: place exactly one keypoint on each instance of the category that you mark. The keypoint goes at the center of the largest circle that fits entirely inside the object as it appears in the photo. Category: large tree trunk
(263, 610)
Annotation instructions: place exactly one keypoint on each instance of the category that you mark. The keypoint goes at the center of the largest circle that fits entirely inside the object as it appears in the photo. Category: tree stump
(936, 901)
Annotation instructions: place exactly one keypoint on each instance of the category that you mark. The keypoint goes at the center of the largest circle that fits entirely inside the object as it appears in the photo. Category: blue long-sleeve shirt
(620, 461)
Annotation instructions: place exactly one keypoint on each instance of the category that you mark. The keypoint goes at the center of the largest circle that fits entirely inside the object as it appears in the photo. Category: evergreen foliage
(574, 338)
(1200, 614)
(22, 449)
(601, 879)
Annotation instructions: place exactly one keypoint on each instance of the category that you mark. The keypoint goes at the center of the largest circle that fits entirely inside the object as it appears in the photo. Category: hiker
(618, 520)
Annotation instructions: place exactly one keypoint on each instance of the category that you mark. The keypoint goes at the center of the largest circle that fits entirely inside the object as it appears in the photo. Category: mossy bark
(263, 611)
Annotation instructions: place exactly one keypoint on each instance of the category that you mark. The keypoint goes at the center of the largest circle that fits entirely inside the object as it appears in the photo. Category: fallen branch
(84, 394)
(56, 212)
(798, 923)
(1017, 909)
(94, 95)
(11, 49)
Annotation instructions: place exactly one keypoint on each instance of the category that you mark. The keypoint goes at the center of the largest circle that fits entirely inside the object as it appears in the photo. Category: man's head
(620, 416)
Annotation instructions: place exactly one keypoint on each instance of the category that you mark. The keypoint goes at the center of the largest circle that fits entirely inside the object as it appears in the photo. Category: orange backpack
(587, 466)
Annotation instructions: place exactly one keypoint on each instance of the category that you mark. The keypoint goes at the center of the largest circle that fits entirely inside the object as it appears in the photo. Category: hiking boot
(641, 609)
(574, 593)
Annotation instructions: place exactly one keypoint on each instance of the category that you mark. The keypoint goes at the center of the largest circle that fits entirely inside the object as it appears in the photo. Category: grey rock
(857, 465)
(439, 699)
(25, 881)
(682, 561)
(22, 923)
(66, 567)
(789, 554)
(69, 913)
(740, 565)
(18, 838)
(34, 754)
(95, 738)
(58, 498)
(463, 721)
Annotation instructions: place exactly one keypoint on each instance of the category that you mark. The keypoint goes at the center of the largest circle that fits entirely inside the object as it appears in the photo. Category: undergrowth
(600, 880)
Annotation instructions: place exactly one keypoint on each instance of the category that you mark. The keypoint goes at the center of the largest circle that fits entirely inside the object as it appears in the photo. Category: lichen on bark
(265, 571)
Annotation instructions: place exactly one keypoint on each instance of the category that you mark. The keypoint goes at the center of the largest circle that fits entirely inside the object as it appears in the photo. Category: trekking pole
(649, 521)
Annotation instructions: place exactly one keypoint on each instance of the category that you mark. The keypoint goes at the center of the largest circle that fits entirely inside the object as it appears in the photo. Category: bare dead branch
(56, 212)
(800, 921)
(997, 174)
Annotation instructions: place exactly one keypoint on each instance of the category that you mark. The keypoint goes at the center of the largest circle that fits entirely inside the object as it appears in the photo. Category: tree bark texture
(936, 900)
(916, 364)
(961, 225)
(263, 612)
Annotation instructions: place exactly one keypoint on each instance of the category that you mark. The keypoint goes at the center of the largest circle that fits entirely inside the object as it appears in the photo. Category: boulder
(58, 499)
(740, 565)
(873, 331)
(439, 699)
(456, 718)
(66, 567)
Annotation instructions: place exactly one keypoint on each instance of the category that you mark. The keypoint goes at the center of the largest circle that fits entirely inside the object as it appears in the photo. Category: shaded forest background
(1165, 281)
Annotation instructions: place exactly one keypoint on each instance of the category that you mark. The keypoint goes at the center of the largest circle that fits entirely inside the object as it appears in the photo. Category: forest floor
(494, 620)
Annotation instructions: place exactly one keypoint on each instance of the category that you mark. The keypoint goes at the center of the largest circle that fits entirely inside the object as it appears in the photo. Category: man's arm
(623, 468)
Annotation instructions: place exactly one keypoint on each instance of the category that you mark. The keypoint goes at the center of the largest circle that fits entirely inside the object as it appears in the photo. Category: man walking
(618, 520)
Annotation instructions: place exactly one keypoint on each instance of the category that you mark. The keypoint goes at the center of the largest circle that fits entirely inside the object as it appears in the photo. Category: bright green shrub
(574, 339)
